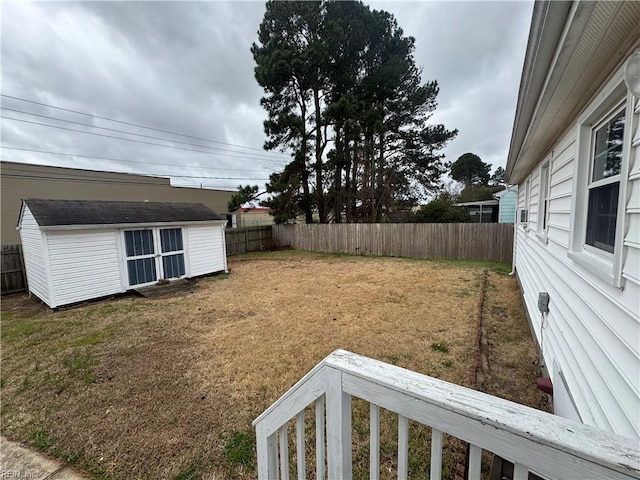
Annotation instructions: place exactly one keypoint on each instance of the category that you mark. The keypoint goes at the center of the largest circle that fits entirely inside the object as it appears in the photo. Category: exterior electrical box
(524, 216)
(543, 302)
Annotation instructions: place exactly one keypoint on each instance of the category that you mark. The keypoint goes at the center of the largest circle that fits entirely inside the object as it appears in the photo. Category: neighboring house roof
(478, 203)
(573, 47)
(100, 212)
(255, 209)
(512, 188)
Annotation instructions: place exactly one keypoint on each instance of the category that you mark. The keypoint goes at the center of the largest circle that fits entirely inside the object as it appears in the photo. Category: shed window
(142, 270)
(139, 242)
(171, 239)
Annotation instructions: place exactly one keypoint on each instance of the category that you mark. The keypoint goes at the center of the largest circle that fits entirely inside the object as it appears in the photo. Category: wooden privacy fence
(12, 274)
(248, 239)
(456, 241)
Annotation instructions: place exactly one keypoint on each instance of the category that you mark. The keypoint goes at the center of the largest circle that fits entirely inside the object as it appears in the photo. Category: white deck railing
(535, 441)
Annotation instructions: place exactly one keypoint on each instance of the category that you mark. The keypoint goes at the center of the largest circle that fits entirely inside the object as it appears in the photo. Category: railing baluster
(475, 457)
(403, 447)
(320, 450)
(339, 461)
(374, 441)
(300, 450)
(436, 454)
(520, 472)
(284, 453)
(267, 451)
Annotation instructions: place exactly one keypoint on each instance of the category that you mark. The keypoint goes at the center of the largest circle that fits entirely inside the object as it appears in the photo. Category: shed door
(172, 252)
(141, 256)
(154, 253)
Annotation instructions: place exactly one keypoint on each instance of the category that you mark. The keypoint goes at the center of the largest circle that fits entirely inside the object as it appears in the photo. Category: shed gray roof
(102, 212)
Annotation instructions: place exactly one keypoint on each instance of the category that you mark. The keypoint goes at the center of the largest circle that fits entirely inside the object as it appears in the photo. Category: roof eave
(96, 226)
(547, 27)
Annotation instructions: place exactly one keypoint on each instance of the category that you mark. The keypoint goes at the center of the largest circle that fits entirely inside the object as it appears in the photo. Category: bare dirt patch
(167, 388)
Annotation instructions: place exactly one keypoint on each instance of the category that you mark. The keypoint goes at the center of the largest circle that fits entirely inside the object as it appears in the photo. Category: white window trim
(605, 265)
(527, 203)
(544, 189)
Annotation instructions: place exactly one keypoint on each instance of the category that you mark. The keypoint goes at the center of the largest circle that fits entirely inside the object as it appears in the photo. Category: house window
(543, 207)
(604, 182)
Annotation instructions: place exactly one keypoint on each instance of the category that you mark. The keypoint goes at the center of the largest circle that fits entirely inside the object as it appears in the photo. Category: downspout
(515, 234)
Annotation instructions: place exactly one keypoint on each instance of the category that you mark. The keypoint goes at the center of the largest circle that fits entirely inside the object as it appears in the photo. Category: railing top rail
(582, 441)
(575, 438)
(280, 404)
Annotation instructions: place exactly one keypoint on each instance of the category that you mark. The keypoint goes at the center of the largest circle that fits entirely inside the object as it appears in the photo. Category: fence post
(246, 241)
(25, 282)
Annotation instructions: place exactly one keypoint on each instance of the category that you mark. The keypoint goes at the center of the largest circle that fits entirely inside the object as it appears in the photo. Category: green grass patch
(41, 440)
(462, 293)
(501, 268)
(217, 277)
(16, 331)
(96, 338)
(239, 449)
(190, 472)
(440, 347)
(80, 366)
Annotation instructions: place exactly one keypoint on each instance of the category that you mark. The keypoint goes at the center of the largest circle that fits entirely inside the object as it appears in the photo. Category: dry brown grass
(137, 388)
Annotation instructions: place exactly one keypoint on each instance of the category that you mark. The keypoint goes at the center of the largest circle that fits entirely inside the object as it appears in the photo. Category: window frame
(527, 203)
(603, 182)
(611, 99)
(544, 189)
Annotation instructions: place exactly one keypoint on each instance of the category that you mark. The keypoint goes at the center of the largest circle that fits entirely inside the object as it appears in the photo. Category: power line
(89, 180)
(127, 161)
(61, 175)
(132, 124)
(129, 139)
(136, 134)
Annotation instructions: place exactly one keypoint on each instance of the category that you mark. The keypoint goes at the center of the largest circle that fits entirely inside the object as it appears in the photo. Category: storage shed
(76, 250)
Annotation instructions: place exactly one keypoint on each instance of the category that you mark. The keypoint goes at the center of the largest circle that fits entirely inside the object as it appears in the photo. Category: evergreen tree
(342, 91)
(470, 170)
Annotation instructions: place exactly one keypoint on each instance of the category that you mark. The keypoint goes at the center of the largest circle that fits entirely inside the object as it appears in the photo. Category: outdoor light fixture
(632, 73)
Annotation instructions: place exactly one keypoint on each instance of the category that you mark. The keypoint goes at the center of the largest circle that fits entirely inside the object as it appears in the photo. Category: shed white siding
(34, 256)
(84, 264)
(206, 249)
(590, 338)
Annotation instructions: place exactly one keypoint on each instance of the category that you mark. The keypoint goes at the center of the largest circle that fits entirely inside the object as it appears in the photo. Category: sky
(186, 67)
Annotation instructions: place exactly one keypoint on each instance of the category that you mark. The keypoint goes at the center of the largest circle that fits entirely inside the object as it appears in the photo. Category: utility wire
(128, 161)
(128, 139)
(136, 134)
(80, 179)
(133, 124)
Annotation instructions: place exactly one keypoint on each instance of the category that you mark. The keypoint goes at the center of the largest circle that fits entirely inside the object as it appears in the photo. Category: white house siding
(84, 264)
(591, 338)
(206, 249)
(34, 256)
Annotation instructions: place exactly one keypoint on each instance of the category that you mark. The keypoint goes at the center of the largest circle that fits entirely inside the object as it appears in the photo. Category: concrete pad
(17, 461)
(67, 474)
